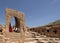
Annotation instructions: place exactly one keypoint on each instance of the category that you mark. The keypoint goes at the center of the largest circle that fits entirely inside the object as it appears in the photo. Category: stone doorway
(19, 19)
(15, 25)
(19, 22)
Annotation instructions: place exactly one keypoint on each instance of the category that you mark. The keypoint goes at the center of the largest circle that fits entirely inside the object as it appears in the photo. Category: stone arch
(19, 19)
(20, 22)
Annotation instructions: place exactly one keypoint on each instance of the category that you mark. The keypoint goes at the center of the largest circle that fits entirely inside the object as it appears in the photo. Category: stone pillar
(8, 19)
(21, 32)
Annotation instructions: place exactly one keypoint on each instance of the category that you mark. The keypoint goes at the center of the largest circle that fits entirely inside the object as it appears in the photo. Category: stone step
(31, 42)
(45, 40)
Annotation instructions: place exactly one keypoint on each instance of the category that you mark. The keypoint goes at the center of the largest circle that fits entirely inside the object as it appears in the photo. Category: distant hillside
(57, 22)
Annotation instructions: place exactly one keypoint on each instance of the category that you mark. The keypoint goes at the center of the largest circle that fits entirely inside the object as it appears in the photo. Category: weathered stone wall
(50, 31)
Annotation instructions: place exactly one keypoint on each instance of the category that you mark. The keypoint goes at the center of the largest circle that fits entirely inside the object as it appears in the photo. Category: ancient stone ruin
(49, 31)
(19, 23)
(24, 34)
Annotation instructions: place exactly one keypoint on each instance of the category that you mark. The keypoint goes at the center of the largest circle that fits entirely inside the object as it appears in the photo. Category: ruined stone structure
(19, 23)
(25, 33)
(50, 31)
(19, 19)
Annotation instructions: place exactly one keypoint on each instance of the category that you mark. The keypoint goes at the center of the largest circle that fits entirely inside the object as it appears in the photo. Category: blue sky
(37, 12)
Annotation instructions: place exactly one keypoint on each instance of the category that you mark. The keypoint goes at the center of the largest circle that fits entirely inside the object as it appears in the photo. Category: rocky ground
(31, 37)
